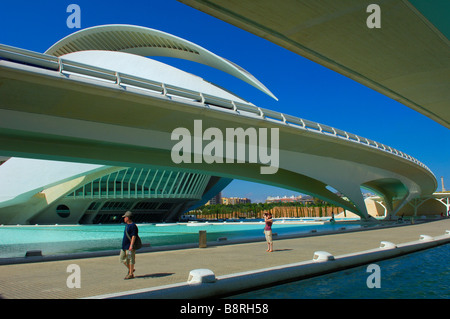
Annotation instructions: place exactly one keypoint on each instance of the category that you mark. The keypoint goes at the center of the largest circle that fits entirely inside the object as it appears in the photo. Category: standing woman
(268, 231)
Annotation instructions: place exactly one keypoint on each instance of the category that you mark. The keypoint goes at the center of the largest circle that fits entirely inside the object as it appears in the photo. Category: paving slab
(105, 275)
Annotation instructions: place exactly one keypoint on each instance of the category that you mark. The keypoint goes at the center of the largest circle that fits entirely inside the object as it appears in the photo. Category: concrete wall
(429, 208)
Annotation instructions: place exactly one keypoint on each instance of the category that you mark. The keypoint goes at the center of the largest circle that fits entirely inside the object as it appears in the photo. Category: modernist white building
(96, 97)
(49, 192)
(36, 191)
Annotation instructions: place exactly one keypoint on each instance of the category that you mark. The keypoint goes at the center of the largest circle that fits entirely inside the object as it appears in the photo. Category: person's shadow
(157, 275)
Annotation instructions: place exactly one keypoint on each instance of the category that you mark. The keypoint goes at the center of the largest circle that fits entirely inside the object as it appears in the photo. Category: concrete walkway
(104, 275)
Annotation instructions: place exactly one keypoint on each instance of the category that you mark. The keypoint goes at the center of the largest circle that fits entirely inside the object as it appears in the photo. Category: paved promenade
(103, 275)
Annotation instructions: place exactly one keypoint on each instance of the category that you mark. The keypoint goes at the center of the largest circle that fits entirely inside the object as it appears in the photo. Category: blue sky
(304, 88)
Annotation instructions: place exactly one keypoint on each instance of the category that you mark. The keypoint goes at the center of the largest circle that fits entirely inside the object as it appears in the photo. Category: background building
(217, 199)
(235, 200)
(285, 199)
(52, 192)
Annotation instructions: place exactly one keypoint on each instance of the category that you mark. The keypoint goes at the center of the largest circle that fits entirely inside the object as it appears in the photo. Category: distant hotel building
(235, 200)
(218, 199)
(291, 199)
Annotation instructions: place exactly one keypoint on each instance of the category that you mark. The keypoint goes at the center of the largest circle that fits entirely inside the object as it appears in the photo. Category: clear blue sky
(305, 89)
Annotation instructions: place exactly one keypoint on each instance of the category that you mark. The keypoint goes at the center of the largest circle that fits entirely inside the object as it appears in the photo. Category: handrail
(63, 66)
(29, 57)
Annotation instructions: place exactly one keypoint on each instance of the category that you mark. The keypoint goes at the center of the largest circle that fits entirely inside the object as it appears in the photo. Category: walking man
(128, 253)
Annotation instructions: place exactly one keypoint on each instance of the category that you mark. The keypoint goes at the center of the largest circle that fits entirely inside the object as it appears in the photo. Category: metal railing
(67, 67)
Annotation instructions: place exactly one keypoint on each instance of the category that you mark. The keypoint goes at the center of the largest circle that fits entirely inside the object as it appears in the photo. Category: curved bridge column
(348, 176)
(401, 190)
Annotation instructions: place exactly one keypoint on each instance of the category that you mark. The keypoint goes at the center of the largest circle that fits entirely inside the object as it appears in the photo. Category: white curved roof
(148, 42)
(148, 69)
(21, 178)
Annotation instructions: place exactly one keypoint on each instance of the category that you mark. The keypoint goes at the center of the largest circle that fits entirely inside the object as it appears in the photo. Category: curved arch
(390, 189)
(148, 42)
(146, 68)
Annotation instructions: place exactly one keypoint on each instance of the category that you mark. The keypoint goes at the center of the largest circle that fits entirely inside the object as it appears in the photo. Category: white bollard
(426, 238)
(201, 276)
(387, 245)
(320, 256)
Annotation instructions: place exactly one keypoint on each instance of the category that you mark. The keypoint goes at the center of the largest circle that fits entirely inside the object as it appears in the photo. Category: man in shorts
(128, 253)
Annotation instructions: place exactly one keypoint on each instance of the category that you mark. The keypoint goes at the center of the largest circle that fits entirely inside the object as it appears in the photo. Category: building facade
(235, 200)
(51, 192)
(290, 199)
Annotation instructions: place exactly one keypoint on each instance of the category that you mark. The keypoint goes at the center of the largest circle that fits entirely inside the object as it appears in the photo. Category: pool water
(420, 275)
(15, 241)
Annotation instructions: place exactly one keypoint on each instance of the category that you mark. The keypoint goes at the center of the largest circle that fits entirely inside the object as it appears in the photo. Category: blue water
(420, 275)
(15, 241)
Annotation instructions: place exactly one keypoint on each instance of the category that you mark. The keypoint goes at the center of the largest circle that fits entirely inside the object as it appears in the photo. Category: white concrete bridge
(58, 108)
